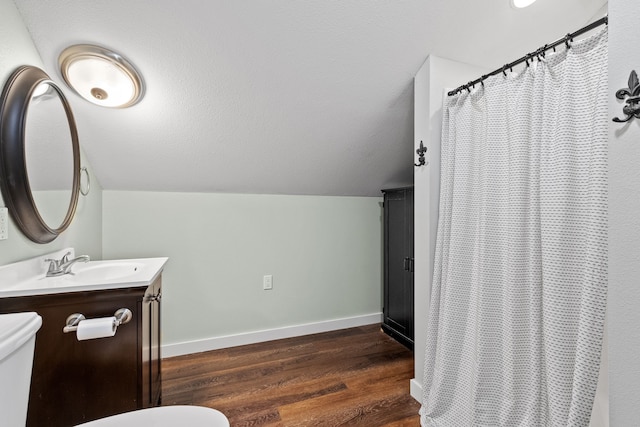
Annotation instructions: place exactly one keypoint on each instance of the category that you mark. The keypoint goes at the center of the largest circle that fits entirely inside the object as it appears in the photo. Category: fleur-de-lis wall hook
(632, 95)
(421, 151)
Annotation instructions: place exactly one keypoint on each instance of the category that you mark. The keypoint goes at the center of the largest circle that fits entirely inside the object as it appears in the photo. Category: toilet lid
(164, 416)
(15, 330)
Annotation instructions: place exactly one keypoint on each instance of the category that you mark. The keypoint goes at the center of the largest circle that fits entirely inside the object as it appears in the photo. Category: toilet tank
(17, 342)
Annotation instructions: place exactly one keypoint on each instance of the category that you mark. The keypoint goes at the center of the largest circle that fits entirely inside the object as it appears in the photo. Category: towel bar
(122, 315)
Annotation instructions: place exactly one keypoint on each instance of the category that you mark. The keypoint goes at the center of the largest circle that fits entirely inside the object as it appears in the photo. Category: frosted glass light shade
(101, 76)
(519, 4)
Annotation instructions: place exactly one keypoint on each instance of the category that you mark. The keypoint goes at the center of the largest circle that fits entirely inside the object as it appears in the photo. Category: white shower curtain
(520, 277)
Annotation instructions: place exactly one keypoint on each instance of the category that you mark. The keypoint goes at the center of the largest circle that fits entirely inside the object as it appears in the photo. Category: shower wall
(430, 84)
(624, 221)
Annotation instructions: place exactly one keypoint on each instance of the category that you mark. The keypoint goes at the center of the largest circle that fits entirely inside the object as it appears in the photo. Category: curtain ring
(504, 70)
(567, 39)
(85, 191)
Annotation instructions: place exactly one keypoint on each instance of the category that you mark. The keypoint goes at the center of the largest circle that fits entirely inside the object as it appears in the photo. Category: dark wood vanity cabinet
(78, 381)
(398, 312)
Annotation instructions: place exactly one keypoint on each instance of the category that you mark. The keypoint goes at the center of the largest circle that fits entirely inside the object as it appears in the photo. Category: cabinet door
(156, 374)
(398, 280)
(408, 282)
(150, 332)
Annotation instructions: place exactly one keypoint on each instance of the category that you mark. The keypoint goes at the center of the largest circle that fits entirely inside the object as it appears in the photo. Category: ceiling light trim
(79, 52)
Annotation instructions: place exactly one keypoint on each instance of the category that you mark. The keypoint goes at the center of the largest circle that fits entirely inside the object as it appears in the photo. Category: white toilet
(17, 343)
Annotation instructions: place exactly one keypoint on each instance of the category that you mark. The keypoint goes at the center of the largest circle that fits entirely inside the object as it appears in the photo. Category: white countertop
(28, 278)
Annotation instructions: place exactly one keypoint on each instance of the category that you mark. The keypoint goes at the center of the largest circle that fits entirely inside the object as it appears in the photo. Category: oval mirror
(39, 155)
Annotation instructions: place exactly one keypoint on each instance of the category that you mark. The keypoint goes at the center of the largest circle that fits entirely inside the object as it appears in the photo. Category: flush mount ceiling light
(519, 4)
(101, 76)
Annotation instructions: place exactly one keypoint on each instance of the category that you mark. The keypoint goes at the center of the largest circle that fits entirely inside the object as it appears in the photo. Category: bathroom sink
(104, 271)
(28, 277)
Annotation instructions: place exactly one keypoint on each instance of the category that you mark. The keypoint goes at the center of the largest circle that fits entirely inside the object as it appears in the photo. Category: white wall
(624, 221)
(430, 82)
(324, 254)
(16, 48)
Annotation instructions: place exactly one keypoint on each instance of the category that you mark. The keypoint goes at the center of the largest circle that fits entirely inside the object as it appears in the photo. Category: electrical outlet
(267, 282)
(4, 223)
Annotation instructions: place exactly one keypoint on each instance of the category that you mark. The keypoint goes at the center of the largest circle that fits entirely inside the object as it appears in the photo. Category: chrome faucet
(59, 267)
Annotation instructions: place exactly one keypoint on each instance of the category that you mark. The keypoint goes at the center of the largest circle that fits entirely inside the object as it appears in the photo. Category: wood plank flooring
(351, 377)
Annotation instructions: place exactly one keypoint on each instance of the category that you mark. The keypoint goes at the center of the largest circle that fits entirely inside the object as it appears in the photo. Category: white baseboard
(416, 390)
(216, 343)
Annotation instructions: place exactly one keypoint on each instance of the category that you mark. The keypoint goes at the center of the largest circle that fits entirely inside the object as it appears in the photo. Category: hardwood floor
(351, 377)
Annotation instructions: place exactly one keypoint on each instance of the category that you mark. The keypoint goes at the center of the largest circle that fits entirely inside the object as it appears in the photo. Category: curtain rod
(529, 56)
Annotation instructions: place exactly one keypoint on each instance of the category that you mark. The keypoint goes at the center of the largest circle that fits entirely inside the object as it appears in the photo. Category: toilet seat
(164, 416)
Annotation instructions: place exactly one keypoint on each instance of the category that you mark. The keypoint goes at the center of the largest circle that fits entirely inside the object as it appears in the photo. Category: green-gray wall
(325, 255)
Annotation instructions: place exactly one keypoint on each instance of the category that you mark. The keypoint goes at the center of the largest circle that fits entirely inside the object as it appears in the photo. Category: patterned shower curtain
(520, 278)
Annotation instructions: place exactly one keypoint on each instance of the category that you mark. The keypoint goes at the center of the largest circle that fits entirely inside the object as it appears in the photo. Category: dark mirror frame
(14, 180)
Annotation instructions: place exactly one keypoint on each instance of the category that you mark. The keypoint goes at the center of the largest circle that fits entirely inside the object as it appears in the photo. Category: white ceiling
(277, 96)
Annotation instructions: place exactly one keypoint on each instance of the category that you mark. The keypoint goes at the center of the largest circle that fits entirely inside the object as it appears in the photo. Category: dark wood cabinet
(398, 265)
(77, 381)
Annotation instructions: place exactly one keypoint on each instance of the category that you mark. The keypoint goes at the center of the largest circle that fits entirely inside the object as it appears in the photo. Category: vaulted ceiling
(277, 96)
